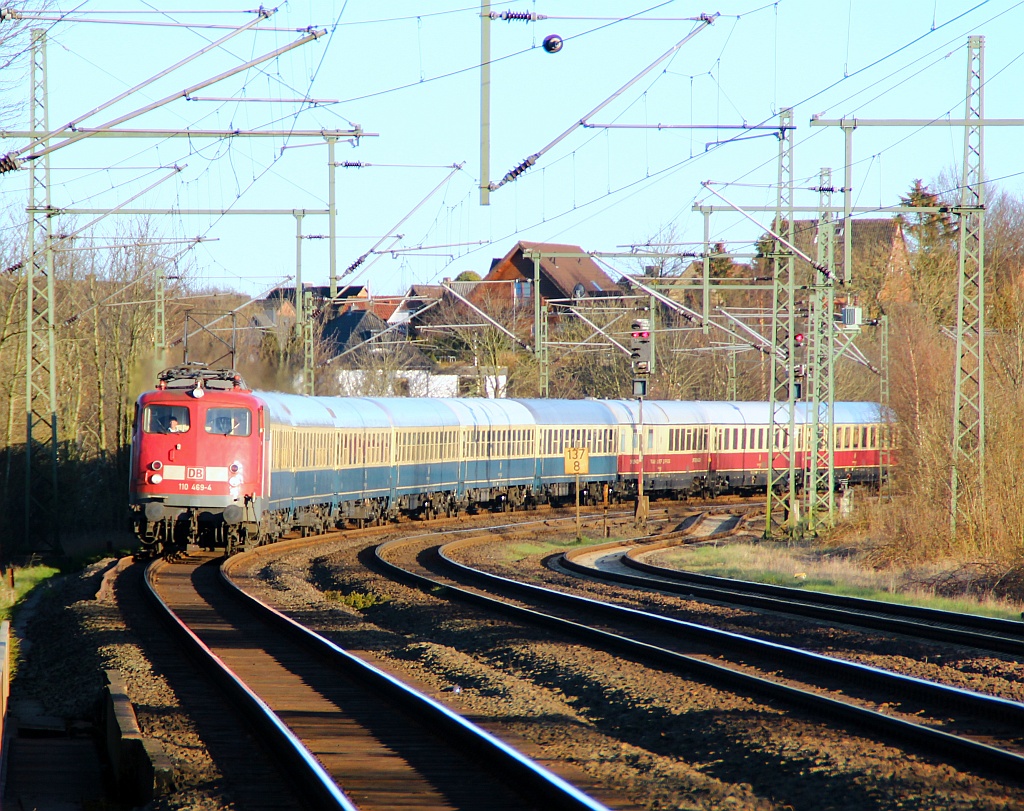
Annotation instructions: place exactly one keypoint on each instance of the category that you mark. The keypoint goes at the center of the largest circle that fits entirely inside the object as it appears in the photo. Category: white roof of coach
(300, 411)
(473, 411)
(570, 412)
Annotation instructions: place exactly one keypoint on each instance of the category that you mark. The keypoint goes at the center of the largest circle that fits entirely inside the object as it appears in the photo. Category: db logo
(195, 473)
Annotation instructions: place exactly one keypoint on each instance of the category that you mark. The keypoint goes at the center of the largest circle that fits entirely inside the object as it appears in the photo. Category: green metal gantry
(968, 458)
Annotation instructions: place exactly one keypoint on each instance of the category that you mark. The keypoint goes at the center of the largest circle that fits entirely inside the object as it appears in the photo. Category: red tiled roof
(562, 273)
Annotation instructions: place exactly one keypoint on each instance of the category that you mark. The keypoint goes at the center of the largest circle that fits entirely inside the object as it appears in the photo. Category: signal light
(641, 352)
(799, 339)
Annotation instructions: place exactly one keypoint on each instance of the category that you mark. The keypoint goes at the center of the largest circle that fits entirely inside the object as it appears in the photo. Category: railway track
(984, 732)
(627, 563)
(349, 735)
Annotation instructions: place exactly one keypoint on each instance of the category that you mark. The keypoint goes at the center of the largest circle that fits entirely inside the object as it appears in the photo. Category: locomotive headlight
(234, 468)
(155, 478)
(234, 481)
(156, 464)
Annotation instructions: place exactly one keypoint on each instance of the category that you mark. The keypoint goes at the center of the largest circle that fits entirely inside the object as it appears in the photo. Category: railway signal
(640, 349)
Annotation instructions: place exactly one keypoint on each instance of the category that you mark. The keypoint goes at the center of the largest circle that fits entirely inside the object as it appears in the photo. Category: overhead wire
(677, 166)
(614, 194)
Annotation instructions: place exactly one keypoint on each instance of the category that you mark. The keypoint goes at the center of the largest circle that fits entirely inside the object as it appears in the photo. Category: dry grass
(846, 570)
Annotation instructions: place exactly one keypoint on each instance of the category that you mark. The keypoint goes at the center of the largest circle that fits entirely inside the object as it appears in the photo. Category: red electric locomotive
(197, 466)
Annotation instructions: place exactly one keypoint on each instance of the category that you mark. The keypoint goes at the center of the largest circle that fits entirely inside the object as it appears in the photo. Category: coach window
(165, 419)
(229, 421)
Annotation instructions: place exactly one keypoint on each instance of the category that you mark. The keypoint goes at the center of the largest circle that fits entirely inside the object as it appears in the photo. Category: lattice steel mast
(40, 351)
(821, 368)
(782, 481)
(967, 479)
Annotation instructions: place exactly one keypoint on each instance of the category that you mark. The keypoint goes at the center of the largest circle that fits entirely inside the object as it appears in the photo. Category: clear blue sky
(409, 71)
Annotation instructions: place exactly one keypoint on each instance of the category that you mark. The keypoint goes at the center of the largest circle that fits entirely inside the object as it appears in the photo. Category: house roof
(382, 306)
(319, 291)
(560, 276)
(353, 327)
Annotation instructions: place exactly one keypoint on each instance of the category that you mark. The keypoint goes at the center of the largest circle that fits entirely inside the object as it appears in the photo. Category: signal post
(641, 356)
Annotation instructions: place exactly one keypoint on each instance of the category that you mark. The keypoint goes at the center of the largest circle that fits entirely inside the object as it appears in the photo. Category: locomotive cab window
(165, 419)
(229, 421)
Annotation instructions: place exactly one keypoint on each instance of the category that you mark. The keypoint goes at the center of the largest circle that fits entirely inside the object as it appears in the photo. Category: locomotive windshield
(229, 421)
(166, 419)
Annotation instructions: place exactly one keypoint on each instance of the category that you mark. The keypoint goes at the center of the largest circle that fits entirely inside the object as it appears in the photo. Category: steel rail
(986, 633)
(309, 774)
(1000, 709)
(977, 752)
(548, 787)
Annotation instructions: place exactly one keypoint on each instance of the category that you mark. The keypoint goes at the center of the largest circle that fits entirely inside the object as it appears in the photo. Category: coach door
(714, 449)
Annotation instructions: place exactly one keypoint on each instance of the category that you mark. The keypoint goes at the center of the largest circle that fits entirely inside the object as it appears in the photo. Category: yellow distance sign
(577, 461)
